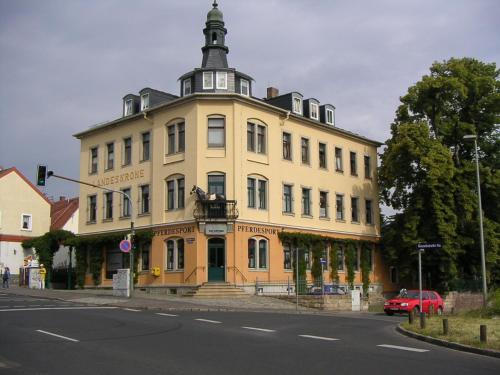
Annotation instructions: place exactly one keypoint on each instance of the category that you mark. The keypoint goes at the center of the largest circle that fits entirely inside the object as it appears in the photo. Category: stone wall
(456, 302)
(328, 302)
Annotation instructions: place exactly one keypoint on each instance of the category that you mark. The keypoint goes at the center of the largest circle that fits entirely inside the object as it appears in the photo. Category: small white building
(64, 215)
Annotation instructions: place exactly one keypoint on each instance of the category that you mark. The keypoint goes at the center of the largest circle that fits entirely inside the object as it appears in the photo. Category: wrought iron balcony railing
(216, 210)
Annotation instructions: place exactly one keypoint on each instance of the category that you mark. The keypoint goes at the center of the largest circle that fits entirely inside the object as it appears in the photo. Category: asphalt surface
(48, 336)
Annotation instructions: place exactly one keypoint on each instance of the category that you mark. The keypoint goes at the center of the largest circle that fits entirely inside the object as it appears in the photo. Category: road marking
(319, 338)
(403, 348)
(260, 329)
(53, 334)
(164, 314)
(61, 308)
(208, 321)
(19, 306)
(134, 310)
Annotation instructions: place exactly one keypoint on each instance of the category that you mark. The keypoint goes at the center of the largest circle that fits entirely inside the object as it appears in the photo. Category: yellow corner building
(217, 174)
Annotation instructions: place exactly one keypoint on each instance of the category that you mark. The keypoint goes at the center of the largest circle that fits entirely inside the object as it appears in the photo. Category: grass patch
(463, 329)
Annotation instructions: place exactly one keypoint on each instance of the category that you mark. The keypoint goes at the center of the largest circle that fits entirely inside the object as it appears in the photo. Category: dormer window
(297, 105)
(128, 109)
(187, 86)
(222, 80)
(144, 102)
(208, 80)
(329, 117)
(314, 111)
(244, 87)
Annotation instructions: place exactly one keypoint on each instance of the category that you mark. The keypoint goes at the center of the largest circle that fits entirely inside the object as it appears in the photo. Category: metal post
(132, 234)
(322, 282)
(70, 267)
(420, 251)
(297, 278)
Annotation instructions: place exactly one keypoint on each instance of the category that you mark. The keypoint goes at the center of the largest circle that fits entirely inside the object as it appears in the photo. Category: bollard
(445, 326)
(422, 320)
(410, 317)
(482, 333)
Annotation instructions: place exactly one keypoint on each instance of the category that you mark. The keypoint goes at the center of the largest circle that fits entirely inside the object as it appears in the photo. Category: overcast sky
(65, 65)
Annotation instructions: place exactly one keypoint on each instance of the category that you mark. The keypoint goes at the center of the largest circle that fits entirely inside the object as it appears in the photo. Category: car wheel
(440, 310)
(390, 313)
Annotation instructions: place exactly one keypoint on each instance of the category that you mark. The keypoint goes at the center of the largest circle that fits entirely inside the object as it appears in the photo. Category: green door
(216, 259)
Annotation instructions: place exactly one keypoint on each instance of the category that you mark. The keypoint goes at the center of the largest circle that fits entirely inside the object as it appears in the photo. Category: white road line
(61, 308)
(164, 314)
(208, 321)
(403, 348)
(319, 337)
(134, 310)
(53, 334)
(260, 329)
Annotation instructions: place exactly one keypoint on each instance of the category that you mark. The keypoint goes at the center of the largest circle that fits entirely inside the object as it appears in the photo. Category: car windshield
(409, 294)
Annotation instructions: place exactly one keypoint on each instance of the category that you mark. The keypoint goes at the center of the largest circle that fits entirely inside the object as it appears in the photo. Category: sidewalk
(167, 302)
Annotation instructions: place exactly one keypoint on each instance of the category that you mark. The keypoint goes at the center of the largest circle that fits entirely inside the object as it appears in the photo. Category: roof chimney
(272, 92)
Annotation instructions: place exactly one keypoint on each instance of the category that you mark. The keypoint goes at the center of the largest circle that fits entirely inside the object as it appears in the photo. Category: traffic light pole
(132, 229)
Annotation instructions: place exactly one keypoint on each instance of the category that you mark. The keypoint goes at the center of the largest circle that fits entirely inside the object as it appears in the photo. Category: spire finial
(215, 5)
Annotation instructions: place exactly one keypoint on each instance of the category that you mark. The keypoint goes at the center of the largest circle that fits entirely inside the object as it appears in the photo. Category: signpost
(323, 263)
(421, 248)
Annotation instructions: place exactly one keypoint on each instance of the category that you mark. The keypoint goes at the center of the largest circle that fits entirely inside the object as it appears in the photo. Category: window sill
(258, 270)
(109, 169)
(126, 165)
(90, 222)
(124, 217)
(287, 160)
(26, 229)
(174, 157)
(107, 220)
(325, 218)
(354, 175)
(144, 214)
(340, 220)
(340, 171)
(324, 169)
(144, 161)
(288, 213)
(307, 216)
(174, 209)
(92, 173)
(355, 222)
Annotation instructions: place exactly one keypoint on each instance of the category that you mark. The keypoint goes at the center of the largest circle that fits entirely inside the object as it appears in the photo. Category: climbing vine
(365, 267)
(350, 259)
(334, 261)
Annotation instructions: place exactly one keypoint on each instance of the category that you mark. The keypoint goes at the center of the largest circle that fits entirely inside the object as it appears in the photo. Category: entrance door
(216, 259)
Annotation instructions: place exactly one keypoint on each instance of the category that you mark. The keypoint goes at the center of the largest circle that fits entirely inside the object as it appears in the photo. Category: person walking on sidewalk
(6, 277)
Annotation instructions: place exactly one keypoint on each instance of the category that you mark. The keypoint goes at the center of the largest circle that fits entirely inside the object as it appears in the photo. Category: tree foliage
(427, 173)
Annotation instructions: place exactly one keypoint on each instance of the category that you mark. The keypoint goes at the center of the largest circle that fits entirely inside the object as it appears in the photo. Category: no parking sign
(125, 246)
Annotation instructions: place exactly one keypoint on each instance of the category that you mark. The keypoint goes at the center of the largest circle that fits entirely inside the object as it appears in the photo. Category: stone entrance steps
(217, 290)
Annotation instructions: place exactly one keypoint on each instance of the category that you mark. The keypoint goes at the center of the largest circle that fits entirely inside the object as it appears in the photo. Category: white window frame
(315, 110)
(175, 264)
(299, 104)
(244, 83)
(291, 212)
(205, 75)
(329, 112)
(145, 104)
(186, 87)
(327, 204)
(218, 75)
(128, 109)
(216, 145)
(30, 222)
(257, 254)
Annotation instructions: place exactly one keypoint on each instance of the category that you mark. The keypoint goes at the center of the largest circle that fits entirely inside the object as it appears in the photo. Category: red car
(409, 300)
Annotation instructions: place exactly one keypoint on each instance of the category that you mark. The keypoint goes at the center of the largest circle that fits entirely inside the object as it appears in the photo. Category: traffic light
(41, 175)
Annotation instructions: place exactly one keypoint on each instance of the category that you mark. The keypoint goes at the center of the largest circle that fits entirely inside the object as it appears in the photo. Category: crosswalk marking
(319, 338)
(259, 329)
(403, 348)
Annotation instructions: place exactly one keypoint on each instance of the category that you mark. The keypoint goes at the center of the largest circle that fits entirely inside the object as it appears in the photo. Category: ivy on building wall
(350, 259)
(334, 261)
(365, 267)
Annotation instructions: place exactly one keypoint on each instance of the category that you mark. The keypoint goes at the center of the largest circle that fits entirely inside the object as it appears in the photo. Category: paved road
(47, 337)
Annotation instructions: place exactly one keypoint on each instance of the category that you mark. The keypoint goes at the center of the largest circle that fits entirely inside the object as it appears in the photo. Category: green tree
(427, 173)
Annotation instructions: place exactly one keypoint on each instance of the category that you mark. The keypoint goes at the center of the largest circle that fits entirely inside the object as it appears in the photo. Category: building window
(323, 204)
(306, 201)
(26, 222)
(313, 107)
(180, 193)
(125, 203)
(288, 199)
(304, 144)
(145, 257)
(244, 87)
(110, 160)
(216, 184)
(146, 144)
(170, 195)
(368, 211)
(93, 159)
(171, 139)
(297, 105)
(287, 146)
(252, 183)
(175, 193)
(354, 167)
(92, 208)
(181, 133)
(322, 155)
(250, 137)
(144, 199)
(338, 160)
(340, 258)
(287, 256)
(108, 206)
(128, 108)
(176, 138)
(257, 253)
(261, 139)
(127, 151)
(175, 255)
(187, 86)
(144, 102)
(329, 117)
(222, 80)
(368, 169)
(354, 210)
(339, 207)
(216, 133)
(208, 80)
(251, 192)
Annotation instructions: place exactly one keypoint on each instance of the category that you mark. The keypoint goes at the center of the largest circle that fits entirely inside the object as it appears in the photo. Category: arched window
(176, 137)
(175, 254)
(258, 253)
(175, 192)
(257, 192)
(256, 136)
(214, 38)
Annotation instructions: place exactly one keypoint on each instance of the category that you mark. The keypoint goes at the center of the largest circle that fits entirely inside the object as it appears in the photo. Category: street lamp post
(483, 260)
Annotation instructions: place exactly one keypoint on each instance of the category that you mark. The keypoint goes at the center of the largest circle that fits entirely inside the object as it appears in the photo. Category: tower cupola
(214, 51)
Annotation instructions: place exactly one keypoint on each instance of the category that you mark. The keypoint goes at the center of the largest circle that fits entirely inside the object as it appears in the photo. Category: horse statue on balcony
(203, 196)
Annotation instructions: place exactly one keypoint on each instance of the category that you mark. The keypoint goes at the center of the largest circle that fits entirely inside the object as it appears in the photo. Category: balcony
(215, 210)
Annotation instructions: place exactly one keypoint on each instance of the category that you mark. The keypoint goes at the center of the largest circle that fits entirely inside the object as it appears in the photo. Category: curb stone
(448, 344)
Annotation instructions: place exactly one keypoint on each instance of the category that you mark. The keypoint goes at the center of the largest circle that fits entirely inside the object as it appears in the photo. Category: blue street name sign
(429, 246)
(323, 261)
